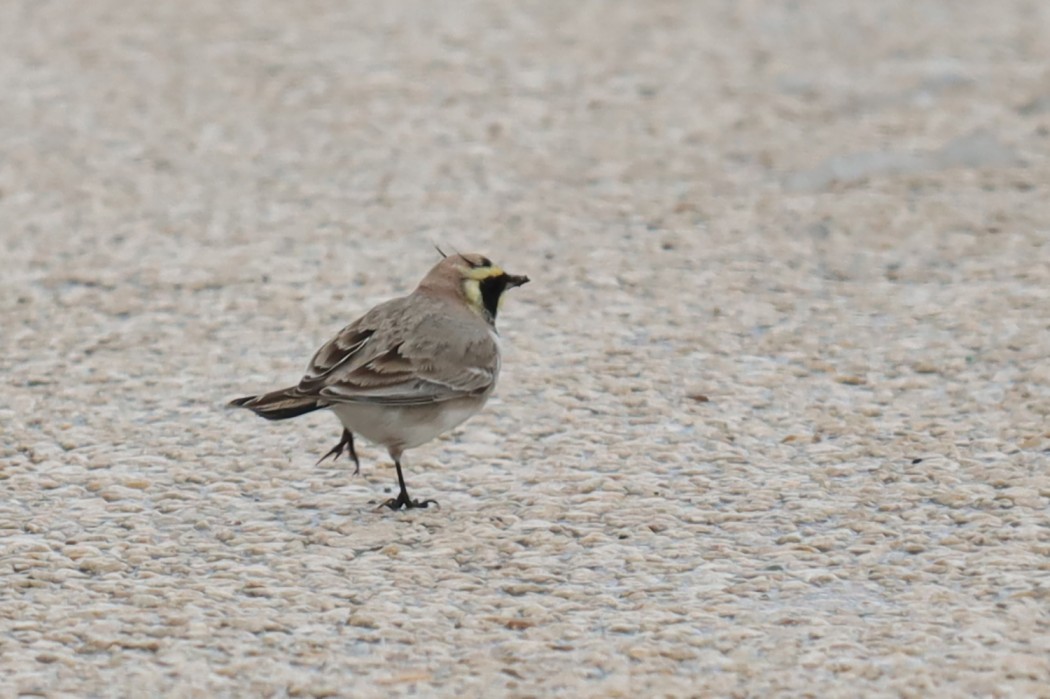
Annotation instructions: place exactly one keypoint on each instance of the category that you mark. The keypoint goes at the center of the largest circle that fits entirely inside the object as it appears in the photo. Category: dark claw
(409, 504)
(347, 442)
(402, 499)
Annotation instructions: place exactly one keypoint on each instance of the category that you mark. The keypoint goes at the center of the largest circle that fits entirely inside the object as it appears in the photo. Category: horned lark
(408, 370)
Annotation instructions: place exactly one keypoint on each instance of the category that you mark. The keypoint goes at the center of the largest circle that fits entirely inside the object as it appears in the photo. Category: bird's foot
(347, 441)
(408, 503)
(334, 452)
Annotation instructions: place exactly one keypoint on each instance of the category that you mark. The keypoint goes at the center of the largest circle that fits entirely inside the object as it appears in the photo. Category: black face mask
(493, 287)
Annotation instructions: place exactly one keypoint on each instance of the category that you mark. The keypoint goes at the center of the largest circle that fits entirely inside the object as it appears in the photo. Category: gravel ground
(773, 419)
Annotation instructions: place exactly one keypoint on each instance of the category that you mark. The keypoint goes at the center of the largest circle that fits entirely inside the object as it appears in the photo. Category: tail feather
(278, 405)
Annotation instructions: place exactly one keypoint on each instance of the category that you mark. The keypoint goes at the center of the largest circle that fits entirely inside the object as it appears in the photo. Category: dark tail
(278, 405)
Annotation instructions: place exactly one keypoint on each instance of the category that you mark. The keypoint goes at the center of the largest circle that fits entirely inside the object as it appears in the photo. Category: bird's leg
(348, 442)
(402, 499)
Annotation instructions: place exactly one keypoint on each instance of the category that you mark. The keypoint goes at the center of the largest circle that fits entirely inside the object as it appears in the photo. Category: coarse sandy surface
(773, 418)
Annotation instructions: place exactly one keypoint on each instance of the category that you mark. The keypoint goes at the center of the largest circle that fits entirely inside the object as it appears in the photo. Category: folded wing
(381, 360)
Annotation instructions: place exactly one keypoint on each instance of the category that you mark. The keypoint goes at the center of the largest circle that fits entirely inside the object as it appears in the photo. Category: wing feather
(333, 355)
(400, 355)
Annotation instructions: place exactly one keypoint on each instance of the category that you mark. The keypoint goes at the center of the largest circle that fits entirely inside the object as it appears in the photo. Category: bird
(408, 370)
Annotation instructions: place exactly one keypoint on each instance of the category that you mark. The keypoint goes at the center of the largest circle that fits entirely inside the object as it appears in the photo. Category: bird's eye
(485, 262)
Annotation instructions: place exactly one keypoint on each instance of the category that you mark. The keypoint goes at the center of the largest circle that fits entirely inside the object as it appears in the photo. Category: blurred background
(773, 414)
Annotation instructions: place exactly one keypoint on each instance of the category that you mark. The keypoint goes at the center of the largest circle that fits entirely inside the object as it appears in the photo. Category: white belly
(399, 429)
